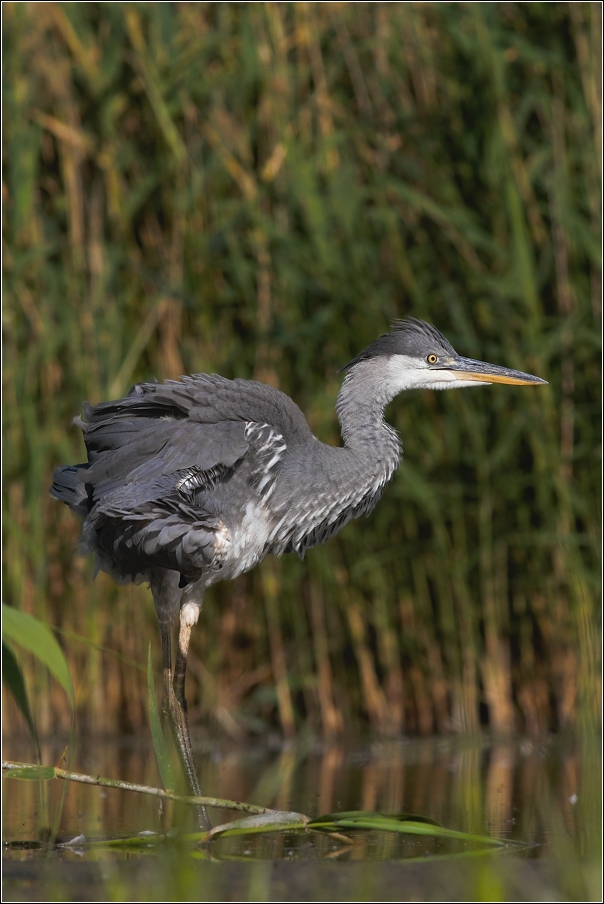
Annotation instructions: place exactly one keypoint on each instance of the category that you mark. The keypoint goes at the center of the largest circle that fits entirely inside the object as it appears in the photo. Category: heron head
(415, 355)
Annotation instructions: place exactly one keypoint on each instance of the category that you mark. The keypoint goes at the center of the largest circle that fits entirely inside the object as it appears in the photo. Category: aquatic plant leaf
(379, 823)
(266, 822)
(28, 772)
(160, 746)
(330, 819)
(132, 842)
(13, 678)
(35, 636)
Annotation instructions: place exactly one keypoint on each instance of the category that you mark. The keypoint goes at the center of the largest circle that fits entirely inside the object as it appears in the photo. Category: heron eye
(432, 359)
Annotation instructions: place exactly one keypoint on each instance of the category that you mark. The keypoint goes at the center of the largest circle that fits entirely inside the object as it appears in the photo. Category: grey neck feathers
(360, 409)
(346, 482)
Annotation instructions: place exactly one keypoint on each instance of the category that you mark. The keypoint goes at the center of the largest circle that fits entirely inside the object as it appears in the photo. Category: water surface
(541, 795)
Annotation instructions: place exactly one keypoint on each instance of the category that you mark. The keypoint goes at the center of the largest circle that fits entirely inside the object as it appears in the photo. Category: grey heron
(194, 481)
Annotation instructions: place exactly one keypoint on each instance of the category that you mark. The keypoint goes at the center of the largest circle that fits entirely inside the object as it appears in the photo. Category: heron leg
(167, 597)
(189, 614)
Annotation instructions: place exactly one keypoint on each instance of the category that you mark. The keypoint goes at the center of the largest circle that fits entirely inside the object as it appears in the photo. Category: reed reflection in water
(536, 792)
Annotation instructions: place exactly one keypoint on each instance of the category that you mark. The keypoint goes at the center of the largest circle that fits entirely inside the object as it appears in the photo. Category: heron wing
(158, 458)
(196, 423)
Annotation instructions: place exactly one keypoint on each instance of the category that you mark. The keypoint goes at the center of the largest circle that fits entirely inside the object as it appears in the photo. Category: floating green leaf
(378, 822)
(331, 818)
(275, 821)
(133, 842)
(28, 772)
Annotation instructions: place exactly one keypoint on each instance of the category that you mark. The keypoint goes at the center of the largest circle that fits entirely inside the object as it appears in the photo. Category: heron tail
(70, 488)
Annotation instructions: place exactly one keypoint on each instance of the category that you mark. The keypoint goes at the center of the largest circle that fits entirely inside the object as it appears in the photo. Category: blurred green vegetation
(257, 190)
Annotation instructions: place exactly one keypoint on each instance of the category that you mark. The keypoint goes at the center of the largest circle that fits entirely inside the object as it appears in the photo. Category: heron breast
(247, 541)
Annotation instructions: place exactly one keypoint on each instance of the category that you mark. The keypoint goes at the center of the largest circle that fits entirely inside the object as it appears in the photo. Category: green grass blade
(331, 818)
(132, 842)
(379, 823)
(162, 752)
(13, 678)
(36, 637)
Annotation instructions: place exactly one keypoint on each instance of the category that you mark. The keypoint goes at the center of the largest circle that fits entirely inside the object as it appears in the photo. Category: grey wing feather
(197, 424)
(160, 448)
(154, 458)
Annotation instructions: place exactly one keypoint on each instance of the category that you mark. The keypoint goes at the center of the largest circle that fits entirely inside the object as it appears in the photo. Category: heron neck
(346, 482)
(360, 409)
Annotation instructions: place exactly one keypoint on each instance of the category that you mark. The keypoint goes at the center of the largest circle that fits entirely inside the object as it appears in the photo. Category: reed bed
(258, 190)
